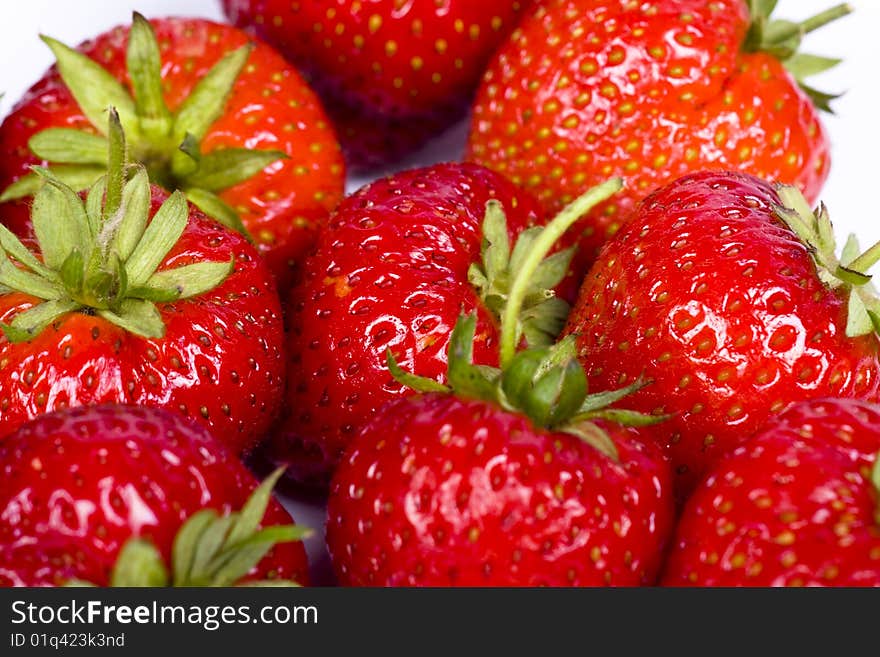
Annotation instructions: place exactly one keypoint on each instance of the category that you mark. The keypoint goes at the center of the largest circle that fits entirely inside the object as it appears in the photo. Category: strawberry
(728, 295)
(226, 120)
(503, 477)
(651, 91)
(395, 268)
(131, 296)
(796, 505)
(115, 494)
(391, 73)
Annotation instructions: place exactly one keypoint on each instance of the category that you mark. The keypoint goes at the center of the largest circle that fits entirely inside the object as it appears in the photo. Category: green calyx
(100, 255)
(782, 39)
(209, 550)
(546, 382)
(848, 272)
(542, 315)
(165, 142)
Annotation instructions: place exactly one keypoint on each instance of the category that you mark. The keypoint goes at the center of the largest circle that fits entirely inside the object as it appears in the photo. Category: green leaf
(595, 437)
(627, 418)
(210, 542)
(858, 322)
(542, 323)
(235, 562)
(145, 70)
(216, 208)
(820, 99)
(158, 239)
(95, 205)
(60, 222)
(30, 323)
(465, 379)
(72, 272)
(552, 270)
(599, 400)
(226, 167)
(496, 241)
(851, 250)
(762, 8)
(524, 245)
(851, 276)
(94, 88)
(802, 65)
(251, 514)
(76, 176)
(139, 564)
(134, 215)
(191, 280)
(13, 246)
(69, 146)
(207, 101)
(137, 316)
(190, 146)
(184, 548)
(417, 383)
(26, 282)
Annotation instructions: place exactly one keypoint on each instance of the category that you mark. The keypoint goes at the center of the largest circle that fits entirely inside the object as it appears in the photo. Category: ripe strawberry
(394, 269)
(391, 73)
(651, 91)
(794, 506)
(510, 477)
(728, 295)
(139, 300)
(227, 121)
(116, 494)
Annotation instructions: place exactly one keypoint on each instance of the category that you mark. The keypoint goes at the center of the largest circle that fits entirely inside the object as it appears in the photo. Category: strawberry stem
(824, 18)
(867, 260)
(510, 328)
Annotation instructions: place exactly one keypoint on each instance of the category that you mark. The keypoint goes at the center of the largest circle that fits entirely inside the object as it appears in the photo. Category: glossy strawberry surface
(708, 296)
(439, 491)
(271, 107)
(391, 72)
(794, 506)
(588, 89)
(219, 362)
(390, 272)
(77, 484)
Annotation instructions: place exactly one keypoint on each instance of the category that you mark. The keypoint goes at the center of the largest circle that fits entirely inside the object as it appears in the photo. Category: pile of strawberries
(615, 345)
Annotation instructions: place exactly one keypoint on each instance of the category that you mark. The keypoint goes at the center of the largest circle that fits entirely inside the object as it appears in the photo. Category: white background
(855, 130)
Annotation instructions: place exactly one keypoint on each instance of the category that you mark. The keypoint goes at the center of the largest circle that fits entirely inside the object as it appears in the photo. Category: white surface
(854, 130)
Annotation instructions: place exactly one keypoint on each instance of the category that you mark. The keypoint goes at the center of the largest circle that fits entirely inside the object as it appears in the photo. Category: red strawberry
(510, 477)
(794, 506)
(117, 494)
(733, 305)
(391, 73)
(651, 91)
(227, 121)
(394, 269)
(138, 300)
